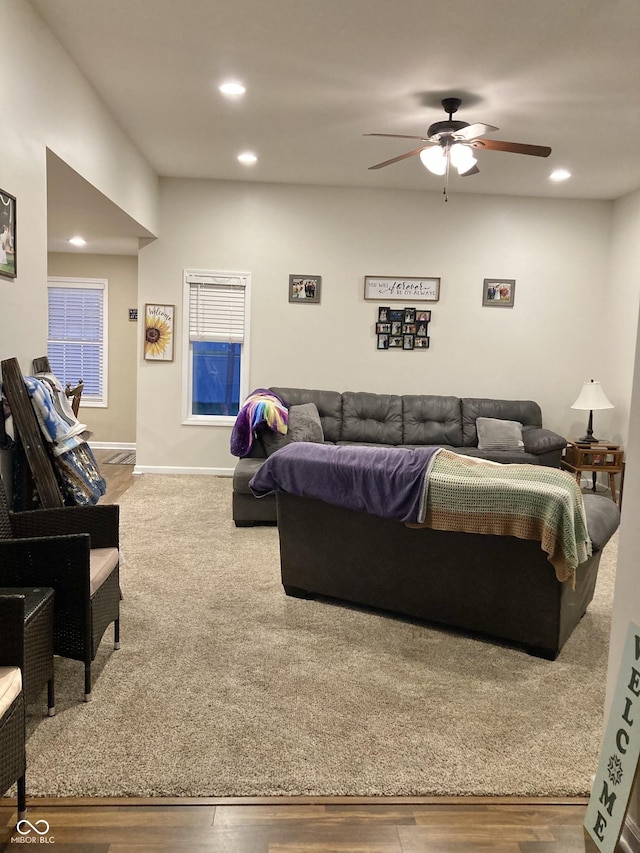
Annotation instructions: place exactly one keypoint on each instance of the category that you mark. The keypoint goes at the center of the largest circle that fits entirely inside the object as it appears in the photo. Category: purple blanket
(390, 482)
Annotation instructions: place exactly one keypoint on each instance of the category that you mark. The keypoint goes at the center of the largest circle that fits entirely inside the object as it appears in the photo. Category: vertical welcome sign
(620, 751)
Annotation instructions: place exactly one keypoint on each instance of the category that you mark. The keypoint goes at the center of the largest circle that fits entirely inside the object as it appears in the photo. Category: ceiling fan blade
(474, 130)
(397, 159)
(397, 136)
(472, 171)
(514, 147)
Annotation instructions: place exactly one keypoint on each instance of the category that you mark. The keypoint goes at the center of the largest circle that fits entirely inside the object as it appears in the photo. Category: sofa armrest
(603, 518)
(538, 441)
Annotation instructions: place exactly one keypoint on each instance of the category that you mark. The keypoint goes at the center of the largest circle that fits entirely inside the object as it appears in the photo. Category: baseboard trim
(112, 445)
(164, 469)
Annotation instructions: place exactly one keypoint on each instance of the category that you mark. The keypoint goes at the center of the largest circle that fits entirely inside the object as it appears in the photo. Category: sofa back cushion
(431, 419)
(373, 418)
(328, 403)
(525, 412)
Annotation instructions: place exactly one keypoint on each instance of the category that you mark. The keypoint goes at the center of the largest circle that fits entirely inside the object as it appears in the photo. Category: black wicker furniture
(13, 760)
(35, 648)
(75, 551)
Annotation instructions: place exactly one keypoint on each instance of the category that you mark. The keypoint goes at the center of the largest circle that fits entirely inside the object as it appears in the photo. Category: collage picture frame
(402, 328)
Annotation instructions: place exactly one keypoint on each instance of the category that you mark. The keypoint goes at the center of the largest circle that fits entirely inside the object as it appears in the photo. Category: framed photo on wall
(8, 250)
(304, 288)
(498, 292)
(158, 332)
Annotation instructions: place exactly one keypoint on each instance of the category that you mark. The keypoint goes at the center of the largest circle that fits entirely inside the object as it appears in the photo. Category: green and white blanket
(527, 501)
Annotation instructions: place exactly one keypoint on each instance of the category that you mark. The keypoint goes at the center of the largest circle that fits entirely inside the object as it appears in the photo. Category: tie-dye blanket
(262, 408)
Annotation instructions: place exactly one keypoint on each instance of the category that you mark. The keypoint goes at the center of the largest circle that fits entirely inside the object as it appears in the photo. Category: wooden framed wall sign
(619, 755)
(383, 288)
(158, 332)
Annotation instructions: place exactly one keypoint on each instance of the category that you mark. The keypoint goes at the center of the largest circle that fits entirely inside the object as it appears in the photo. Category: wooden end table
(600, 456)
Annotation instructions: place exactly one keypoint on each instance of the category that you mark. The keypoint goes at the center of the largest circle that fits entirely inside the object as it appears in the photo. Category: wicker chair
(75, 551)
(13, 761)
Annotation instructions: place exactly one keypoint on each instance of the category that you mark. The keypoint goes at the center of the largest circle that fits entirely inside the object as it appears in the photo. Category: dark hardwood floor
(295, 825)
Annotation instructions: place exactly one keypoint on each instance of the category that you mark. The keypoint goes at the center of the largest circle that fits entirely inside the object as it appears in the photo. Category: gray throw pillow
(304, 425)
(495, 434)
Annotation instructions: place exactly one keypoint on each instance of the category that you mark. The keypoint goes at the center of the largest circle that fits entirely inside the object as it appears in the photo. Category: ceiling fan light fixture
(434, 159)
(462, 157)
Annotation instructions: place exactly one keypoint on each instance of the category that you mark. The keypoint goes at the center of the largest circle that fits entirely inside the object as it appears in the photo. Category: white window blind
(216, 309)
(76, 339)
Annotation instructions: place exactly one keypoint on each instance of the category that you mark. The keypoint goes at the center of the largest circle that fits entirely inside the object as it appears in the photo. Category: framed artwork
(383, 288)
(305, 288)
(8, 250)
(498, 292)
(158, 332)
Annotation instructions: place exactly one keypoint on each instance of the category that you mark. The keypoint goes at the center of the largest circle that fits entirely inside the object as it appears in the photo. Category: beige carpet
(224, 686)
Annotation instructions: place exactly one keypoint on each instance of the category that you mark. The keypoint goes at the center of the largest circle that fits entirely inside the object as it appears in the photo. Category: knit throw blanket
(527, 501)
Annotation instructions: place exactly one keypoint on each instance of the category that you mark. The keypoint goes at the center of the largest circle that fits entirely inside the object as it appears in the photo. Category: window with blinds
(77, 335)
(216, 307)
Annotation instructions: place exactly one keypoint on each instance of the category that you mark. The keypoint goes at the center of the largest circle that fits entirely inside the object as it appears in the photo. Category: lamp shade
(592, 397)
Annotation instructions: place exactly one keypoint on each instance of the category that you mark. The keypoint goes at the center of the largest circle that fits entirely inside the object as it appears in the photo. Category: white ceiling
(321, 73)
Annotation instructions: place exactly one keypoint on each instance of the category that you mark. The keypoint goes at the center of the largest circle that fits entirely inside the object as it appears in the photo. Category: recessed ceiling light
(248, 158)
(233, 88)
(560, 175)
(78, 241)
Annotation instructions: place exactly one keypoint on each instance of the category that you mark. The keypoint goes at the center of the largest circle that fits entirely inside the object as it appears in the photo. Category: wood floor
(295, 825)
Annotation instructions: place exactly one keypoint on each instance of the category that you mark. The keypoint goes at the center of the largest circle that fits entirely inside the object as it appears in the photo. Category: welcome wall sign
(619, 754)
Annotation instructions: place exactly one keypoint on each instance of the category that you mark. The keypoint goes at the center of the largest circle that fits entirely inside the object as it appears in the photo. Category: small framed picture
(383, 342)
(396, 315)
(8, 251)
(305, 288)
(396, 328)
(383, 315)
(383, 328)
(423, 316)
(409, 315)
(498, 292)
(421, 330)
(422, 343)
(409, 329)
(407, 341)
(395, 342)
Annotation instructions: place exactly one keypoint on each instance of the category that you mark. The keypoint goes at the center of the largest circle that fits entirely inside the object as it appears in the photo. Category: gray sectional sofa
(410, 420)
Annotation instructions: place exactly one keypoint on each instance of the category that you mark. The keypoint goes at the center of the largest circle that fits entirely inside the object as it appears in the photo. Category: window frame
(213, 277)
(85, 283)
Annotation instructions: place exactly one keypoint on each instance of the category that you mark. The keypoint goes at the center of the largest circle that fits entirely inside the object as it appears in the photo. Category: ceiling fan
(454, 142)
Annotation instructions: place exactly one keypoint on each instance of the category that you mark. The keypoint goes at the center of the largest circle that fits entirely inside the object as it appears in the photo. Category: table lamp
(591, 397)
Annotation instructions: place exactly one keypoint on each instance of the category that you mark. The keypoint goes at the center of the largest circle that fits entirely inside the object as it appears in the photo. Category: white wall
(542, 349)
(626, 281)
(47, 103)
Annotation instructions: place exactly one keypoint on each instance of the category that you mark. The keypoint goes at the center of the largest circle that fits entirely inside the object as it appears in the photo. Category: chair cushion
(10, 686)
(102, 562)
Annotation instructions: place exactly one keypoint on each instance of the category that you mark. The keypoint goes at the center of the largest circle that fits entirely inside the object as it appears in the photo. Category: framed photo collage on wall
(402, 328)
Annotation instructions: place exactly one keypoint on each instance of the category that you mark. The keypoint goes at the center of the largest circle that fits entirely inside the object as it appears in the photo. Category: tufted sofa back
(431, 419)
(371, 418)
(328, 403)
(412, 419)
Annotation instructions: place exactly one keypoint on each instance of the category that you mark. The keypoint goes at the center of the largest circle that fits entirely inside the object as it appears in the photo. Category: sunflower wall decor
(158, 332)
